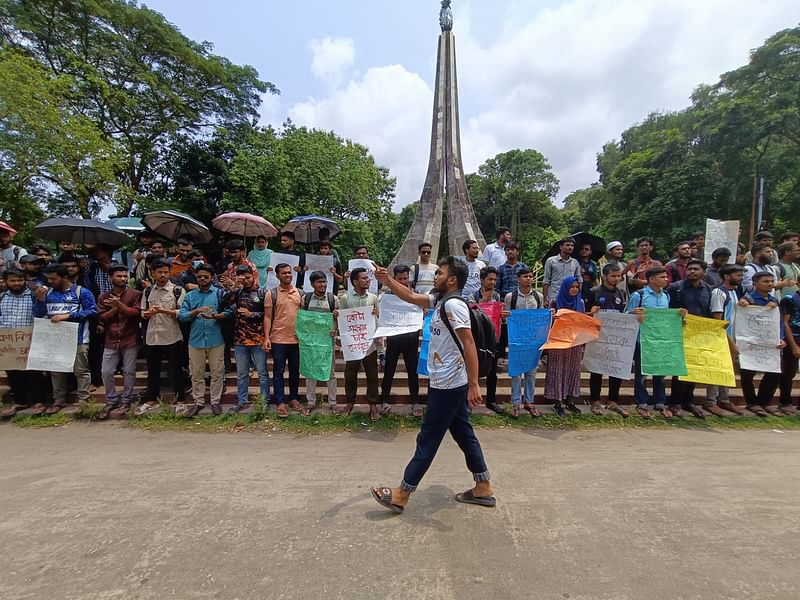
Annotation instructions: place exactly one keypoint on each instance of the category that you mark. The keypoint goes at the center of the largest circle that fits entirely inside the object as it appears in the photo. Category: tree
(133, 74)
(41, 140)
(516, 189)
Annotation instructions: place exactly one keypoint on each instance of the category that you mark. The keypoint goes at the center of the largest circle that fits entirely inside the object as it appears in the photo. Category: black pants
(681, 393)
(491, 384)
(30, 387)
(766, 391)
(596, 382)
(406, 345)
(97, 343)
(788, 371)
(173, 353)
(502, 343)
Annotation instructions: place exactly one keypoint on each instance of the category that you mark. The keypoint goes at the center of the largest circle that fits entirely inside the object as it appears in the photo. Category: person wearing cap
(9, 253)
(558, 268)
(33, 266)
(762, 237)
(613, 256)
(204, 309)
(247, 305)
(118, 310)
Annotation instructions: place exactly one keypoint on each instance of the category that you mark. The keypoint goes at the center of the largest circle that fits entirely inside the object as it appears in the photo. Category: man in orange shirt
(180, 263)
(281, 306)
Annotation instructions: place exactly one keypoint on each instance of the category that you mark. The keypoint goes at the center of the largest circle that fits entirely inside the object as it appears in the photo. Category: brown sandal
(643, 412)
(38, 409)
(534, 412)
(374, 413)
(55, 409)
(344, 410)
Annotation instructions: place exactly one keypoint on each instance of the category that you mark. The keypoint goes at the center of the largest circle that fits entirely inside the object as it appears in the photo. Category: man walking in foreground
(453, 372)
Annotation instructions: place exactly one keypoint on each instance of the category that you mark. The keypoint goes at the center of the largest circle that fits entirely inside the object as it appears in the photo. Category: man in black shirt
(606, 297)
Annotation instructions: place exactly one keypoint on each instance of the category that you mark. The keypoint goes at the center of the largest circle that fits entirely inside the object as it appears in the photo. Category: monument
(445, 186)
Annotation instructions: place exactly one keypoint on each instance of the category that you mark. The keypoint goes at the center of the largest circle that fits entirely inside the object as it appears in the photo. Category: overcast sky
(560, 77)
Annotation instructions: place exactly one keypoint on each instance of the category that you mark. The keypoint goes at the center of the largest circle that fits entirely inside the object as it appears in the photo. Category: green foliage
(133, 76)
(515, 189)
(668, 174)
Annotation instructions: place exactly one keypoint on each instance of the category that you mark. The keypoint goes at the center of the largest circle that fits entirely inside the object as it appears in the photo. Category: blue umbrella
(306, 228)
(127, 223)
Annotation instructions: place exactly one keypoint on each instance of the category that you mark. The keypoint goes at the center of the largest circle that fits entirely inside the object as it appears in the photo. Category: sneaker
(495, 407)
(558, 408)
(216, 408)
(570, 406)
(237, 408)
(146, 408)
(193, 410)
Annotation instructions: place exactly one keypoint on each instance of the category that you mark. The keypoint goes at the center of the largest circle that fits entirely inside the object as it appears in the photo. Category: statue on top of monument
(446, 16)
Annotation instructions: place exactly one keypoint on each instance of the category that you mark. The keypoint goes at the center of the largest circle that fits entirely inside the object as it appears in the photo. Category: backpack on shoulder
(483, 333)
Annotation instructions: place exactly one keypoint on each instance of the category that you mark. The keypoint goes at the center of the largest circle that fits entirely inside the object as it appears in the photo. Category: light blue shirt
(648, 298)
(204, 333)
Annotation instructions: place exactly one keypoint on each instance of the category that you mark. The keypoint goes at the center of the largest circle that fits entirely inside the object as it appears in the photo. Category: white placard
(395, 317)
(53, 346)
(364, 263)
(316, 262)
(721, 234)
(277, 258)
(757, 333)
(356, 328)
(612, 353)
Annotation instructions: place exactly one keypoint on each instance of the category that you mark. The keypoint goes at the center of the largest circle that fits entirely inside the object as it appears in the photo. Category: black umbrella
(581, 238)
(172, 225)
(80, 231)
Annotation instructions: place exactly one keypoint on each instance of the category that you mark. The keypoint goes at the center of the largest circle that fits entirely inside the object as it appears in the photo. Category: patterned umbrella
(306, 228)
(244, 225)
(173, 225)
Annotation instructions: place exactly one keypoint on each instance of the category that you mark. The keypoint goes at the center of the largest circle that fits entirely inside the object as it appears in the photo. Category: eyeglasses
(424, 251)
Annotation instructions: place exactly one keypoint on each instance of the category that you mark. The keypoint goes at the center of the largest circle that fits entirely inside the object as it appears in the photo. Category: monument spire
(444, 182)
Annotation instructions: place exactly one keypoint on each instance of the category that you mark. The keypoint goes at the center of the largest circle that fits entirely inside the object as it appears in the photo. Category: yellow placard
(708, 355)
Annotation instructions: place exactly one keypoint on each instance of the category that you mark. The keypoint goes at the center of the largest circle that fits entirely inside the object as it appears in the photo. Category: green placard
(316, 345)
(661, 338)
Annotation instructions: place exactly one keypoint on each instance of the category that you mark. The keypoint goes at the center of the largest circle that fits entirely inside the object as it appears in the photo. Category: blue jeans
(247, 357)
(516, 387)
(640, 394)
(281, 354)
(447, 410)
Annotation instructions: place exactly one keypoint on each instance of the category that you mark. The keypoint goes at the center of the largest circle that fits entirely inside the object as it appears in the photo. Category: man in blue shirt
(66, 301)
(204, 309)
(650, 296)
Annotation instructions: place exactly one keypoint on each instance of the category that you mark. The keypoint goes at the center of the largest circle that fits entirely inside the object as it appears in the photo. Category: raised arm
(401, 291)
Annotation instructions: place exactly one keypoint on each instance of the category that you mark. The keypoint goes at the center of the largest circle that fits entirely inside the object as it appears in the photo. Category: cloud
(389, 111)
(563, 80)
(331, 58)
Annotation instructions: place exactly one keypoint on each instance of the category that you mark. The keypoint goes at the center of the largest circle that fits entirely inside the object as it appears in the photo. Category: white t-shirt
(446, 366)
(473, 276)
(425, 277)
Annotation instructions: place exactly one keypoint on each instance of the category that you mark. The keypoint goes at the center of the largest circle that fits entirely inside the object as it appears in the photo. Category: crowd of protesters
(208, 312)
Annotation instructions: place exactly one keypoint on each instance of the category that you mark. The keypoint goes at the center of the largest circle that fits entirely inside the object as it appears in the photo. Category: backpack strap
(446, 320)
(514, 299)
(274, 294)
(416, 275)
(331, 301)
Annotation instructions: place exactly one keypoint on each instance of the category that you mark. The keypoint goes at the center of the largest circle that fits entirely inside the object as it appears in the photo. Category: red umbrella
(244, 225)
(8, 228)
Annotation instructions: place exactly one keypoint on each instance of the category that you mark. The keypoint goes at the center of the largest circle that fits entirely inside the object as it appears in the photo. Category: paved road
(107, 512)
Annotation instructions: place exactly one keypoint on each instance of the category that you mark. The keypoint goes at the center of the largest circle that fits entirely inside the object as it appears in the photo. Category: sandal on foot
(416, 411)
(386, 408)
(383, 496)
(9, 412)
(106, 410)
(344, 410)
(282, 411)
(374, 413)
(597, 409)
(55, 409)
(515, 411)
(614, 407)
(643, 412)
(534, 412)
(469, 497)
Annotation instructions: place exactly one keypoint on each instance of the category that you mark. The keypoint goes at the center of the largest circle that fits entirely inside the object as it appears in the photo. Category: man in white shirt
(559, 267)
(422, 273)
(474, 266)
(495, 254)
(453, 372)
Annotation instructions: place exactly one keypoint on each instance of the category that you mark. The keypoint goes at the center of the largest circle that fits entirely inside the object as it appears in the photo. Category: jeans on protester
(640, 394)
(216, 367)
(173, 353)
(281, 354)
(766, 390)
(447, 410)
(247, 357)
(351, 369)
(788, 371)
(111, 358)
(716, 394)
(311, 385)
(82, 374)
(406, 345)
(516, 387)
(596, 384)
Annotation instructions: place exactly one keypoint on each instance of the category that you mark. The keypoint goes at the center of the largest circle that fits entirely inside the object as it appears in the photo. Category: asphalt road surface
(99, 512)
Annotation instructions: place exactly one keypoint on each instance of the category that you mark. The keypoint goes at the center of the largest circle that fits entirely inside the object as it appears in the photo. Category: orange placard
(571, 329)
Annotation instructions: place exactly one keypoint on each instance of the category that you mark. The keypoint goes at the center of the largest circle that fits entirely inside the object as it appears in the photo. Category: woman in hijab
(260, 256)
(562, 382)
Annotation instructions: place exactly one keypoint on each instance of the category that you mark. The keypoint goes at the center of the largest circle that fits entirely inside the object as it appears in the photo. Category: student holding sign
(65, 301)
(454, 386)
(359, 296)
(724, 299)
(758, 403)
(323, 301)
(562, 381)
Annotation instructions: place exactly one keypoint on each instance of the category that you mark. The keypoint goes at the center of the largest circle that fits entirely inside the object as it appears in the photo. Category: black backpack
(483, 333)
